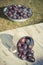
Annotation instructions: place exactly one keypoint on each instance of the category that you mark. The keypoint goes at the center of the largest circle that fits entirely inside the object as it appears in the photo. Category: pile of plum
(18, 12)
(24, 49)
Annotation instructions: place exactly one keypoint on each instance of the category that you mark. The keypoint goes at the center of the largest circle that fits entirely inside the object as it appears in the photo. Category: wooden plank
(10, 38)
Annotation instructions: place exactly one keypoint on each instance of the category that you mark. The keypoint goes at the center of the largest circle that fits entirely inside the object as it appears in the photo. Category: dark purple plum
(20, 11)
(23, 57)
(24, 49)
(31, 59)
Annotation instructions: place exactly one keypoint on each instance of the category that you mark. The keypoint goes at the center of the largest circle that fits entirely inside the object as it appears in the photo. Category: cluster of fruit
(24, 48)
(18, 12)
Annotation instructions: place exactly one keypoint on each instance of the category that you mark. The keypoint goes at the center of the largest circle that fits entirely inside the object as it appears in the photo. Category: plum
(23, 57)
(19, 44)
(28, 41)
(30, 53)
(24, 52)
(9, 12)
(19, 55)
(24, 47)
(30, 47)
(31, 59)
(23, 40)
(18, 12)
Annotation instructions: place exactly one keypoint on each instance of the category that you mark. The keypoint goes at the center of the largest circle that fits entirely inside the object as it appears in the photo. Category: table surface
(10, 38)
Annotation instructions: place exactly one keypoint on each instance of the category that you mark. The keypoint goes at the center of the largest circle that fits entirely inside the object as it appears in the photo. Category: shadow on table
(39, 61)
(7, 40)
(2, 13)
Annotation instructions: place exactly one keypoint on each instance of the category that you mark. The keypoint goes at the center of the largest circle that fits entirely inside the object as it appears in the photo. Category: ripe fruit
(23, 40)
(21, 11)
(30, 47)
(24, 47)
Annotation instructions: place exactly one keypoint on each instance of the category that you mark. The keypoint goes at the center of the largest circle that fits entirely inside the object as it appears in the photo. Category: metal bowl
(17, 20)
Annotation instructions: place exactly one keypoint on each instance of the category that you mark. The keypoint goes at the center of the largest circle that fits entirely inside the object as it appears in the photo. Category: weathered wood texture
(11, 37)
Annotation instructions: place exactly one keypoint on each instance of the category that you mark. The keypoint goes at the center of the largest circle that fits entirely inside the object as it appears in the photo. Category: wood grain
(34, 31)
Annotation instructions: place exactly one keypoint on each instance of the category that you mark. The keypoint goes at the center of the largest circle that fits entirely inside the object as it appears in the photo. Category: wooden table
(10, 38)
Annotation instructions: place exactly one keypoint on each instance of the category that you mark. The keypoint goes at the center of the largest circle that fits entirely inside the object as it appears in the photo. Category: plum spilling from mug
(18, 12)
(24, 49)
